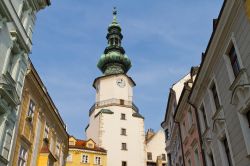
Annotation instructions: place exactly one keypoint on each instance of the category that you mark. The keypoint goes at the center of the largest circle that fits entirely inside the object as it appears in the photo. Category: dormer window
(71, 143)
(90, 145)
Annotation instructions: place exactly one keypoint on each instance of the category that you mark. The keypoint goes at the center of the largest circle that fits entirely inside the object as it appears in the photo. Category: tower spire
(114, 15)
(114, 60)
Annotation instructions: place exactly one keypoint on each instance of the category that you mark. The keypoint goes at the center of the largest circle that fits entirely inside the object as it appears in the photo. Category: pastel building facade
(114, 120)
(85, 153)
(41, 137)
(172, 129)
(155, 148)
(186, 116)
(17, 21)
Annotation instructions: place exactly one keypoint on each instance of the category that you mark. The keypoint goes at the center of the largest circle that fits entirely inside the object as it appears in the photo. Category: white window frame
(232, 41)
(23, 156)
(30, 112)
(7, 145)
(85, 158)
(98, 160)
(211, 96)
(46, 131)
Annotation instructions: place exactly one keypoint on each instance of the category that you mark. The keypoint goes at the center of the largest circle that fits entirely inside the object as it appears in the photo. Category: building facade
(221, 92)
(172, 128)
(85, 153)
(17, 20)
(216, 105)
(187, 118)
(41, 138)
(155, 148)
(115, 122)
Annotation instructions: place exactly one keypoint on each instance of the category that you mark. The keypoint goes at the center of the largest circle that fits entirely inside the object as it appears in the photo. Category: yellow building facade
(42, 139)
(85, 153)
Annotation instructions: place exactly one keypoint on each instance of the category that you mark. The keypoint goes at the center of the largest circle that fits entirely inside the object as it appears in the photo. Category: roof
(82, 144)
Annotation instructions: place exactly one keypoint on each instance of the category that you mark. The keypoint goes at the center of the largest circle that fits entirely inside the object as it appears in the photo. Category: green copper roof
(114, 60)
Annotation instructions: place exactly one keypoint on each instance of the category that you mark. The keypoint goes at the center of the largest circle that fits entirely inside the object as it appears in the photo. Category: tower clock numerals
(120, 82)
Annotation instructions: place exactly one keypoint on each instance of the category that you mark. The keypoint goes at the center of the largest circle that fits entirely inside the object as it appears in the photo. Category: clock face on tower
(121, 82)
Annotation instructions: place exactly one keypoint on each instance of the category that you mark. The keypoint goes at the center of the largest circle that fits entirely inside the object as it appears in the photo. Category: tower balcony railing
(113, 102)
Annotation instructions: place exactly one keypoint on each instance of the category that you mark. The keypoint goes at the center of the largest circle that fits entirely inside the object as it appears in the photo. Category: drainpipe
(181, 143)
(199, 132)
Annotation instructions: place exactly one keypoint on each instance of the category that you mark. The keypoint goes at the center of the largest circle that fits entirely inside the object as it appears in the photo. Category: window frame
(149, 156)
(22, 156)
(123, 116)
(85, 158)
(227, 152)
(31, 109)
(98, 162)
(124, 163)
(203, 114)
(215, 95)
(234, 60)
(123, 131)
(124, 146)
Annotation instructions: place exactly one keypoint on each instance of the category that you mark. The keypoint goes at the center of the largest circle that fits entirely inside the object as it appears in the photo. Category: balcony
(113, 102)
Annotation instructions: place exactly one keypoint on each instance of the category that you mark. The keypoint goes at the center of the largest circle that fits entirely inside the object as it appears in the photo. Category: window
(190, 118)
(69, 158)
(124, 163)
(211, 159)
(20, 81)
(46, 131)
(57, 148)
(166, 134)
(204, 117)
(189, 163)
(196, 157)
(234, 60)
(123, 131)
(98, 160)
(248, 118)
(22, 159)
(85, 158)
(123, 116)
(227, 152)
(149, 155)
(163, 157)
(31, 109)
(215, 96)
(124, 146)
(7, 143)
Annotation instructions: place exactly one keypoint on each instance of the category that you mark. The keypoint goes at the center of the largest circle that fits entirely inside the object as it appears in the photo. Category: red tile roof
(81, 144)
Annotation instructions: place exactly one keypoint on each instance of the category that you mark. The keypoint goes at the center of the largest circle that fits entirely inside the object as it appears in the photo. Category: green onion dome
(114, 60)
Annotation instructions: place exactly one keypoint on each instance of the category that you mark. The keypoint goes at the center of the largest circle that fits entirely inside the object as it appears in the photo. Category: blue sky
(163, 39)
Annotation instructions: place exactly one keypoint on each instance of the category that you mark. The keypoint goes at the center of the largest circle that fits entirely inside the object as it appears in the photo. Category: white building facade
(17, 20)
(155, 148)
(115, 122)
